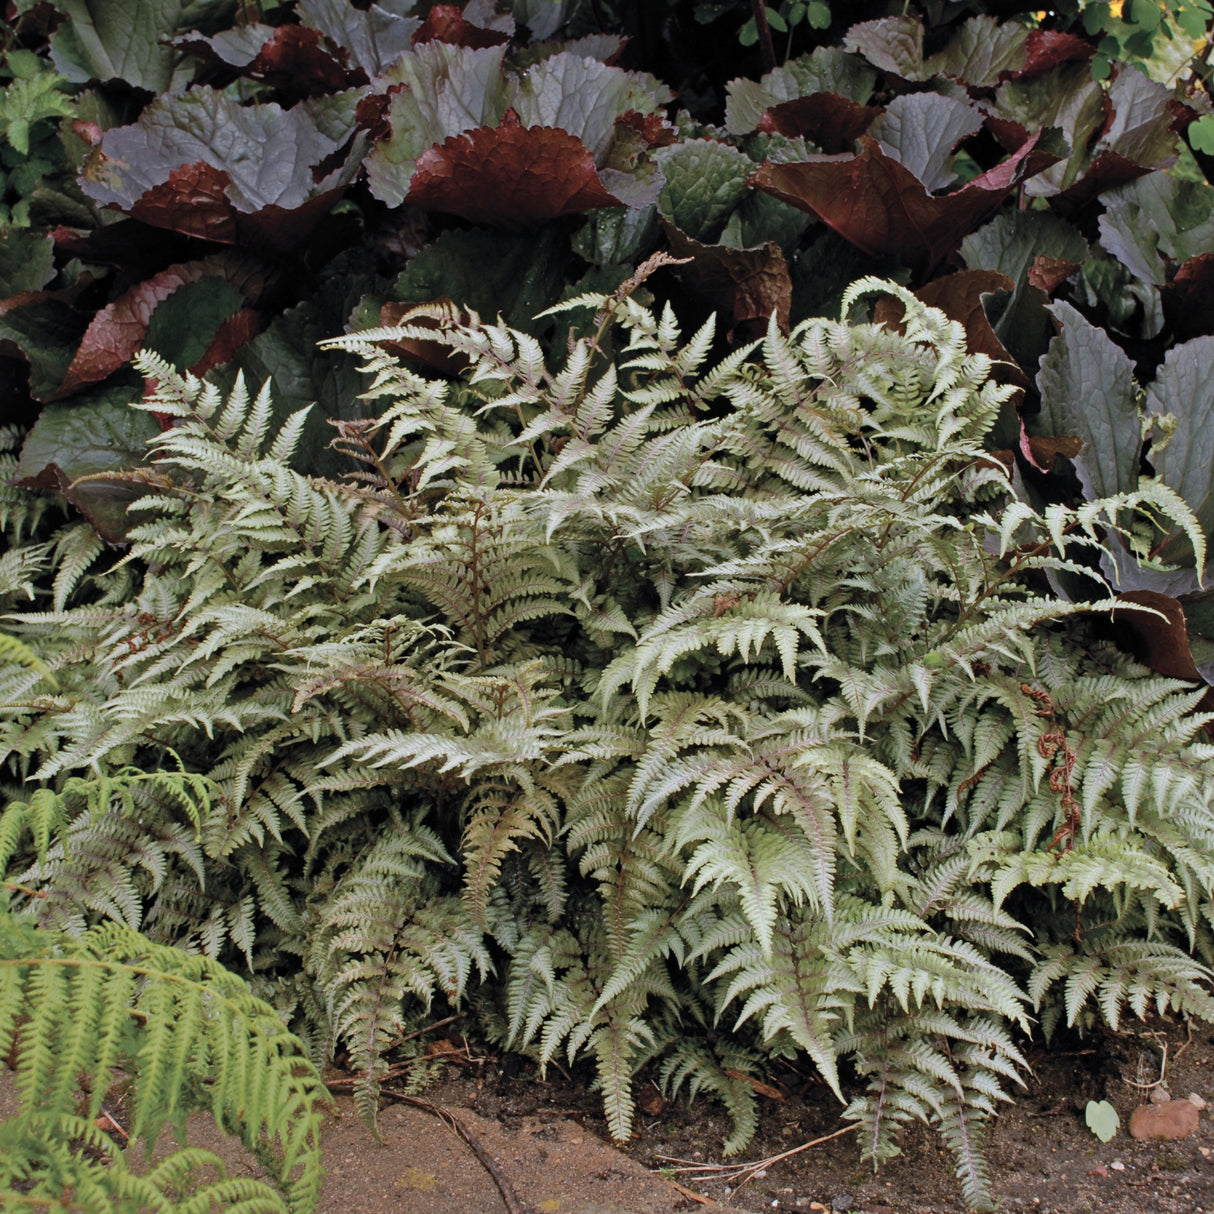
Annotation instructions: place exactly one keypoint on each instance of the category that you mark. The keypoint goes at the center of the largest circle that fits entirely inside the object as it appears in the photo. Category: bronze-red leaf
(1045, 49)
(193, 201)
(1188, 300)
(447, 23)
(959, 297)
(748, 285)
(509, 176)
(1049, 273)
(831, 121)
(884, 209)
(117, 332)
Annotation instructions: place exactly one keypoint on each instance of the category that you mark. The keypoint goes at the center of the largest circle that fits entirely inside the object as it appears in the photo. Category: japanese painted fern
(691, 713)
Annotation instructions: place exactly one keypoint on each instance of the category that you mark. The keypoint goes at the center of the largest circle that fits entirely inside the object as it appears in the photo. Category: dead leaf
(764, 1089)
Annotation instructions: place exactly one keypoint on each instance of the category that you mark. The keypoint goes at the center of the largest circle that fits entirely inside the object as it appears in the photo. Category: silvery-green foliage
(693, 711)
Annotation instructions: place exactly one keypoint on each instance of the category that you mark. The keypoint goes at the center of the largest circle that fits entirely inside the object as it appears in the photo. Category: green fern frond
(176, 1025)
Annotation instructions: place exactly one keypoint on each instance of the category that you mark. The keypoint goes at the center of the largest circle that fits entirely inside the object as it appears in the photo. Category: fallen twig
(438, 1024)
(690, 1194)
(1163, 1065)
(745, 1172)
(457, 1127)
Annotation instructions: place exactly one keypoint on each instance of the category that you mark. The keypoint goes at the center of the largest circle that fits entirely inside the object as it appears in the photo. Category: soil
(546, 1141)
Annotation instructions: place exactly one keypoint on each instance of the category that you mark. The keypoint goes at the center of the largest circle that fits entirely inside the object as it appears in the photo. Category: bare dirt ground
(546, 1143)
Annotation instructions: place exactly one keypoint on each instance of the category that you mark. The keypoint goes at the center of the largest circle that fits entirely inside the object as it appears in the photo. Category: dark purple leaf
(295, 59)
(1188, 300)
(447, 23)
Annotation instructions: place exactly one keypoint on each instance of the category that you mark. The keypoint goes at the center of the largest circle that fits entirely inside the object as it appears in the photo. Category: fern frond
(174, 1023)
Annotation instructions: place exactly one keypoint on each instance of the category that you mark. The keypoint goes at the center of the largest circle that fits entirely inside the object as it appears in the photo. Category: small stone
(841, 1202)
(1117, 1165)
(1099, 1170)
(1160, 1096)
(1196, 1101)
(1176, 1119)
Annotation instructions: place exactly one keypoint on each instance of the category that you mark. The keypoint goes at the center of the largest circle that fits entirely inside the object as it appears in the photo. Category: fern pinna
(687, 714)
(181, 1034)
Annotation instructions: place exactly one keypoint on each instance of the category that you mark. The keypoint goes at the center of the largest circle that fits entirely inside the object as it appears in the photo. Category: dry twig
(744, 1173)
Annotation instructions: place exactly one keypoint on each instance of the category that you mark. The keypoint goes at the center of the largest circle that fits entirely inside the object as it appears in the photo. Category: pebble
(1160, 1096)
(842, 1202)
(1176, 1119)
(1196, 1101)
(1099, 1170)
(1117, 1165)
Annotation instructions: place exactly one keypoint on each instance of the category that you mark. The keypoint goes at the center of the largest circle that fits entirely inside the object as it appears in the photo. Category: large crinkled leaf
(1184, 391)
(1157, 222)
(883, 208)
(126, 39)
(827, 70)
(296, 59)
(98, 432)
(748, 285)
(705, 182)
(451, 23)
(44, 330)
(1114, 136)
(374, 38)
(1140, 125)
(201, 164)
(921, 131)
(94, 435)
(509, 176)
(489, 273)
(982, 52)
(446, 90)
(1014, 239)
(1087, 389)
(828, 121)
(761, 219)
(1011, 244)
(27, 261)
(176, 312)
(1066, 98)
(893, 44)
(616, 237)
(585, 97)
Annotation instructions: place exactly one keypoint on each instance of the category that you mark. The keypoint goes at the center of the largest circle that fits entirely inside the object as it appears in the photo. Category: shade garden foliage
(504, 512)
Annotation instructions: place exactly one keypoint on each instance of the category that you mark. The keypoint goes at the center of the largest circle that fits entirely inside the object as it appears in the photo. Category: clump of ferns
(683, 734)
